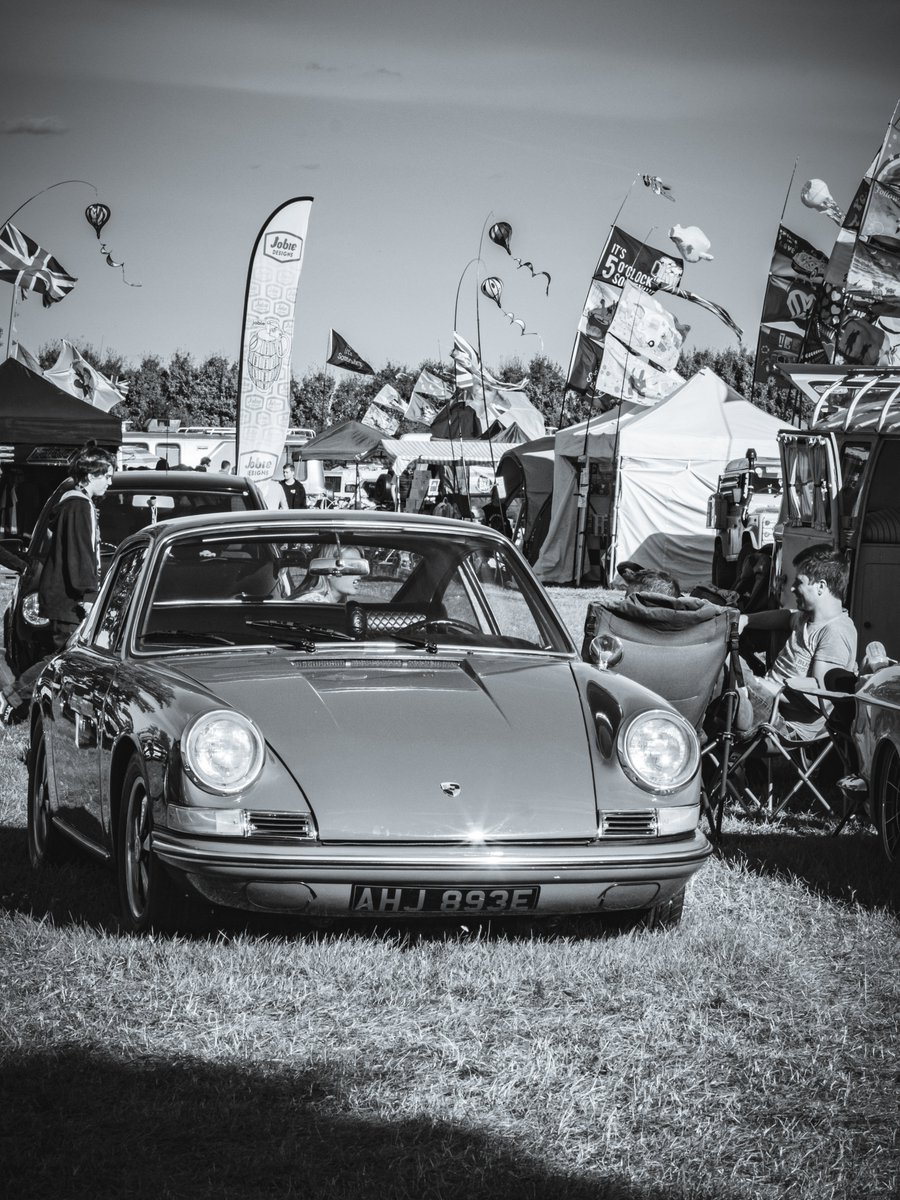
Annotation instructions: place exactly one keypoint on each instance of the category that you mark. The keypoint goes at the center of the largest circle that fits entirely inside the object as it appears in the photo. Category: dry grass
(748, 1055)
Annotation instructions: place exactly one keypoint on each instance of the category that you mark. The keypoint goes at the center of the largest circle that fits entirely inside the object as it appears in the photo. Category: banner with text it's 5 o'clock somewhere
(264, 383)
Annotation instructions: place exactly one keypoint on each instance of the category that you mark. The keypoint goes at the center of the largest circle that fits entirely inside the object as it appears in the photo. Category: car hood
(483, 746)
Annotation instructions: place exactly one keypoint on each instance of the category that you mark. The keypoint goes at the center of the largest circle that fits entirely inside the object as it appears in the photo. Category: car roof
(340, 520)
(178, 481)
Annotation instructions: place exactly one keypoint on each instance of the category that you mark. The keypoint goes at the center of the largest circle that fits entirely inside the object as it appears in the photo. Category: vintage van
(842, 487)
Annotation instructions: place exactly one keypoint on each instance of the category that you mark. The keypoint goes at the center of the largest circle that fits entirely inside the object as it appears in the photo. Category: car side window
(111, 620)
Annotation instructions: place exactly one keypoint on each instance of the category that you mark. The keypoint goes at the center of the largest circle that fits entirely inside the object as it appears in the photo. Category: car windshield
(315, 588)
(123, 511)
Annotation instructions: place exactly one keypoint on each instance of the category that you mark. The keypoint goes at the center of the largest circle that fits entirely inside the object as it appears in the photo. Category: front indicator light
(209, 822)
(680, 818)
(659, 751)
(223, 751)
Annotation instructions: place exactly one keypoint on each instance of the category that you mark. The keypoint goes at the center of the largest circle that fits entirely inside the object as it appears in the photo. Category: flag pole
(480, 355)
(49, 188)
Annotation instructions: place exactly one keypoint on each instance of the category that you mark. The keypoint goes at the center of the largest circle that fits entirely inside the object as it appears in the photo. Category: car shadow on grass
(81, 1124)
(849, 867)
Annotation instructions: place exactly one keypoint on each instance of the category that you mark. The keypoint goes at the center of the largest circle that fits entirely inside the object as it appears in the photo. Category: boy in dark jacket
(70, 577)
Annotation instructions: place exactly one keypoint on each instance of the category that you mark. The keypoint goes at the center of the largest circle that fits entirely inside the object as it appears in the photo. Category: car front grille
(281, 826)
(628, 824)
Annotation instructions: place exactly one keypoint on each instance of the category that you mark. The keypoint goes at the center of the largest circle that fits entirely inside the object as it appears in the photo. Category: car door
(84, 675)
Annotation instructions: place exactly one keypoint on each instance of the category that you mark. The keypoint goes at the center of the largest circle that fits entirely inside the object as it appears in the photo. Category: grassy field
(751, 1053)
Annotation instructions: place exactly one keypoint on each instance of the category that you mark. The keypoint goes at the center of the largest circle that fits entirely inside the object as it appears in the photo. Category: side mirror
(606, 651)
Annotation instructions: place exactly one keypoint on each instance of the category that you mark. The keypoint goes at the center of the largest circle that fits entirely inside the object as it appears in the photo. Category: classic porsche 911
(354, 714)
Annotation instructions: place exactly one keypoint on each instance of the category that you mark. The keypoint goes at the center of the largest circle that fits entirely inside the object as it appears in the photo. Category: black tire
(46, 845)
(664, 915)
(887, 804)
(146, 897)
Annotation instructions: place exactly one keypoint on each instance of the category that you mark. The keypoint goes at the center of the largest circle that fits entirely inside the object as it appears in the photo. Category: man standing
(70, 577)
(294, 490)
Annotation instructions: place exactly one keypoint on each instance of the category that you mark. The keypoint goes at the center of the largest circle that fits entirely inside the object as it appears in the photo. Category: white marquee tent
(666, 461)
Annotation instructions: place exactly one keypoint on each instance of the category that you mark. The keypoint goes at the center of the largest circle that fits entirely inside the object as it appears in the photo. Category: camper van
(744, 511)
(842, 487)
(186, 446)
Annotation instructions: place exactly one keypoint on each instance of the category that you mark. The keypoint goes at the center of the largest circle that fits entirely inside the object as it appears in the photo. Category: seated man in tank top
(822, 637)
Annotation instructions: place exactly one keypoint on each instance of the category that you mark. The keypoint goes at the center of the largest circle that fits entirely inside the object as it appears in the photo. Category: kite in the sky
(500, 233)
(97, 215)
(692, 243)
(815, 194)
(492, 287)
(655, 184)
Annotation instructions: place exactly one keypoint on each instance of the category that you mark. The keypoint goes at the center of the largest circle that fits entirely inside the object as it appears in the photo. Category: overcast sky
(413, 125)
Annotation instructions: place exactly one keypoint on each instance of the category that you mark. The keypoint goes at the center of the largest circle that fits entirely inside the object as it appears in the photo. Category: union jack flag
(32, 268)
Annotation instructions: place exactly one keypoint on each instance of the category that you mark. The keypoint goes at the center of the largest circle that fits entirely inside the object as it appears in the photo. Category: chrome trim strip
(190, 855)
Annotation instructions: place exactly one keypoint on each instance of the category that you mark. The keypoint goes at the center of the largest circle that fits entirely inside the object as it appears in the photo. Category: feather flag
(31, 268)
(264, 379)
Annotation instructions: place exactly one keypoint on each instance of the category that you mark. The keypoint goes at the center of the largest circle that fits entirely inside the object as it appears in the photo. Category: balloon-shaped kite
(500, 233)
(655, 184)
(97, 215)
(492, 287)
(692, 242)
(815, 194)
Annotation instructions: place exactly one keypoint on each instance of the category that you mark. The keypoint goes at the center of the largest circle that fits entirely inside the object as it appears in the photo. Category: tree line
(204, 392)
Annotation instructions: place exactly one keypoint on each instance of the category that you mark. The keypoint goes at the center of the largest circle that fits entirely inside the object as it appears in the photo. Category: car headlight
(31, 614)
(223, 751)
(658, 751)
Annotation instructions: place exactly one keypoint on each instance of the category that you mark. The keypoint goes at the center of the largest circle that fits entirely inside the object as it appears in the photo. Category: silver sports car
(354, 714)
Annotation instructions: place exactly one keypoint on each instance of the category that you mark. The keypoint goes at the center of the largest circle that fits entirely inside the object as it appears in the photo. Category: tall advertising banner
(264, 381)
(624, 259)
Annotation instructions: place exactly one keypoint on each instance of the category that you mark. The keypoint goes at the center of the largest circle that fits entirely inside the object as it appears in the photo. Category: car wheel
(888, 804)
(145, 891)
(46, 844)
(664, 915)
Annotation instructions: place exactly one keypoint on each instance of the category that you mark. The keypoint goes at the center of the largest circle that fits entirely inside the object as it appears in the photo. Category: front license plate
(364, 898)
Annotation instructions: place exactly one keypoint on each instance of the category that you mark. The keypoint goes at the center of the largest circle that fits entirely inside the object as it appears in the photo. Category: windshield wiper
(304, 634)
(308, 644)
(188, 635)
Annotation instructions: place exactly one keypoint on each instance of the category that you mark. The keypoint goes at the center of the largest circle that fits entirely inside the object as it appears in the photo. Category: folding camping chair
(793, 767)
(684, 649)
